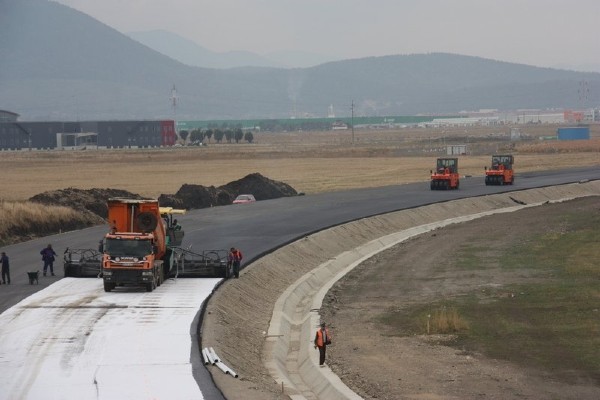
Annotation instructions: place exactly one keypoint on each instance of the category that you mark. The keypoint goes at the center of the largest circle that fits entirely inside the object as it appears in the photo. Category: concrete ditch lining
(289, 355)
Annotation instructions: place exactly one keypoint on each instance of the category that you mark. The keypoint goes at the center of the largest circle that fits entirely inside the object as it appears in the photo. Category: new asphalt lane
(261, 227)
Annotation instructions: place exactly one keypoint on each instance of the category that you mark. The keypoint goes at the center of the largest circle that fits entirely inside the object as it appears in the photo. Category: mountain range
(60, 64)
(191, 53)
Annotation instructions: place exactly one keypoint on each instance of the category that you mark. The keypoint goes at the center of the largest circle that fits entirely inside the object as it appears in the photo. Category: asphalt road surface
(261, 227)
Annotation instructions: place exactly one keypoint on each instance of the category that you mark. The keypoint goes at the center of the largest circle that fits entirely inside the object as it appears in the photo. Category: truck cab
(137, 249)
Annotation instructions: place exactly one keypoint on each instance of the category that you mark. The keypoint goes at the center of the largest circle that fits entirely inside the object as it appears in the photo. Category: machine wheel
(149, 286)
(108, 286)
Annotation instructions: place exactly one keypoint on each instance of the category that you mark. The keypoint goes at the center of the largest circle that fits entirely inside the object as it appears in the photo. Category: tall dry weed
(446, 320)
(25, 220)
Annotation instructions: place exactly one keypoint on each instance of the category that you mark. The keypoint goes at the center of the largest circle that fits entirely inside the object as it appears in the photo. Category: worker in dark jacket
(176, 226)
(235, 259)
(5, 269)
(322, 339)
(48, 255)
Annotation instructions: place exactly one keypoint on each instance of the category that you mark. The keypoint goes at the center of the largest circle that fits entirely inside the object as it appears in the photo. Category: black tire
(108, 286)
(72, 271)
(149, 286)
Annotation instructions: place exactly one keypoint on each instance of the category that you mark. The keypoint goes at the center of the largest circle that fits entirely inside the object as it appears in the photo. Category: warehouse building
(7, 116)
(15, 135)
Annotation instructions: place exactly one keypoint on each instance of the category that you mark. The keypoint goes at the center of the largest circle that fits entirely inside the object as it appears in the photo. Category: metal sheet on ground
(74, 341)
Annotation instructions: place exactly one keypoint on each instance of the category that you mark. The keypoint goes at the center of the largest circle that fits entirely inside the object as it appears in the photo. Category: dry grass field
(311, 162)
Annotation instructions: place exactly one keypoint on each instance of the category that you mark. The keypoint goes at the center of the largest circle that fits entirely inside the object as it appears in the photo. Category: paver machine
(143, 248)
(501, 172)
(445, 175)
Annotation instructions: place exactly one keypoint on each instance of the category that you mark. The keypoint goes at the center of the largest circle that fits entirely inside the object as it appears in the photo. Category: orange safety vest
(319, 337)
(235, 255)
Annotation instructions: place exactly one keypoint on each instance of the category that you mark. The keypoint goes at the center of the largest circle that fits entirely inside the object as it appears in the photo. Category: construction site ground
(368, 357)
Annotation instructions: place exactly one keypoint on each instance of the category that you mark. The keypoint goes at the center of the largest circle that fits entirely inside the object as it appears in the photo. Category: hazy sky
(537, 32)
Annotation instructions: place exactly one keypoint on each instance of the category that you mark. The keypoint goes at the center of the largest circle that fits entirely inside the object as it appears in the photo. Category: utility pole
(174, 99)
(352, 121)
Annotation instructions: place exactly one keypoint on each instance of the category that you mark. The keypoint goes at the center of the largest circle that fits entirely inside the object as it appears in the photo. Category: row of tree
(234, 133)
(197, 136)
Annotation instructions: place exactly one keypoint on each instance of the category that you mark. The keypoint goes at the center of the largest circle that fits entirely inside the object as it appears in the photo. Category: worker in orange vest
(235, 258)
(322, 339)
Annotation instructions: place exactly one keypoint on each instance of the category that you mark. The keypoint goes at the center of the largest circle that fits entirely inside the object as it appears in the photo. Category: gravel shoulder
(389, 367)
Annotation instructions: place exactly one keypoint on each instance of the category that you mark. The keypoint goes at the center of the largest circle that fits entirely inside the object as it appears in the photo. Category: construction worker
(48, 255)
(5, 269)
(235, 258)
(322, 339)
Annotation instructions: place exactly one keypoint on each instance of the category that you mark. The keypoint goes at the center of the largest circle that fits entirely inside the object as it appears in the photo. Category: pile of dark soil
(188, 196)
(198, 196)
(92, 200)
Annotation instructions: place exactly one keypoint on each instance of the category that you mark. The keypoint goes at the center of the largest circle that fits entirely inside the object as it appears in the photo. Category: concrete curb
(290, 357)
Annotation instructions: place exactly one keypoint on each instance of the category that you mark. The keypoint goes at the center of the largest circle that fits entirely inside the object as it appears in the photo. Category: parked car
(244, 198)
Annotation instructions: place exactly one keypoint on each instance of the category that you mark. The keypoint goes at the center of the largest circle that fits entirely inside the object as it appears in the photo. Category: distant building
(110, 134)
(339, 125)
(573, 133)
(8, 116)
(571, 116)
(515, 134)
(462, 121)
(456, 150)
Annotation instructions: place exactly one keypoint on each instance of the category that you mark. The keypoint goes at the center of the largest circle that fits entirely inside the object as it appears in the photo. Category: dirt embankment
(79, 208)
(188, 197)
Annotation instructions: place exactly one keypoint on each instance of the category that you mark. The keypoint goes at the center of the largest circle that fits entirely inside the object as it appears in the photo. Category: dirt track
(240, 312)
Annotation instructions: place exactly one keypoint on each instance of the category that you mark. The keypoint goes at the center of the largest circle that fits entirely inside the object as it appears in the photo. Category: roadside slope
(238, 314)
